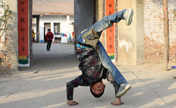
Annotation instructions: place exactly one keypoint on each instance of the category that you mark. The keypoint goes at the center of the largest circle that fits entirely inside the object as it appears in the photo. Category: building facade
(58, 16)
(57, 24)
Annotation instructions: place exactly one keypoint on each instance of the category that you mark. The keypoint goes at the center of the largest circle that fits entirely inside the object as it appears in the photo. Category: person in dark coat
(49, 37)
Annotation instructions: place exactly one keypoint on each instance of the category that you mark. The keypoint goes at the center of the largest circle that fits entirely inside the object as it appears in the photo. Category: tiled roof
(53, 8)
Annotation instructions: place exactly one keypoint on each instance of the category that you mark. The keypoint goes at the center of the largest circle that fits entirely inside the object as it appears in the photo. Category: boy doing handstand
(95, 63)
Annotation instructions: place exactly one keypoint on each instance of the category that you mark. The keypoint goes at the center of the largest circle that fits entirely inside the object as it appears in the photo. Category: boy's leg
(108, 21)
(99, 27)
(107, 63)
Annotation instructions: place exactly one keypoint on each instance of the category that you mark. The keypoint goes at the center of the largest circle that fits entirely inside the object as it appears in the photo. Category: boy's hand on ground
(72, 103)
(117, 102)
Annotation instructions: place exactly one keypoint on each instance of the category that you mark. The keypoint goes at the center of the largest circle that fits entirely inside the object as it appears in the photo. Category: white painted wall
(65, 26)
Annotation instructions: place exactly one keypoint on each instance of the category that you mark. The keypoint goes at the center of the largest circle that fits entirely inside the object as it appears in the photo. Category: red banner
(110, 31)
(23, 35)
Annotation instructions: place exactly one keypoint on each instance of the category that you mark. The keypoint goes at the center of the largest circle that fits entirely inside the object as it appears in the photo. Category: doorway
(60, 24)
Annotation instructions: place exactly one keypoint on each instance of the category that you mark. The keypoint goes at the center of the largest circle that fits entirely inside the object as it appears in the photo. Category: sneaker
(128, 16)
(123, 89)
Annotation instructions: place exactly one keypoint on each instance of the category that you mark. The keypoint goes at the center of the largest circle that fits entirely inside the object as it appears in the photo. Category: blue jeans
(99, 26)
(107, 63)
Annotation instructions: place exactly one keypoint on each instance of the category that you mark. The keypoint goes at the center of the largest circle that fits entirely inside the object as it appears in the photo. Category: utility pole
(166, 36)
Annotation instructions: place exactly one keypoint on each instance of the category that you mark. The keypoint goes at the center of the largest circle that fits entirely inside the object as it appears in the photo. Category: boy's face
(98, 88)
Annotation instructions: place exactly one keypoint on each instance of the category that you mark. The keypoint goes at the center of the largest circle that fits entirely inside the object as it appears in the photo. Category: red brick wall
(154, 30)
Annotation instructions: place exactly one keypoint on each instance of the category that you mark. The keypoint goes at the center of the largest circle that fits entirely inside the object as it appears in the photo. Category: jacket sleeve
(78, 81)
(110, 79)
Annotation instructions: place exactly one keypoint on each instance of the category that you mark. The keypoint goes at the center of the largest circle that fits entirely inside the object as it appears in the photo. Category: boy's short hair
(95, 95)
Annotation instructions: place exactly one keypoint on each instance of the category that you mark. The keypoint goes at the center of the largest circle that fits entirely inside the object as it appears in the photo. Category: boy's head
(97, 89)
(49, 30)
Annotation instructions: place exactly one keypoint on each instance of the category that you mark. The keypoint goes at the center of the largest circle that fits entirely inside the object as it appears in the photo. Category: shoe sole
(124, 92)
(129, 19)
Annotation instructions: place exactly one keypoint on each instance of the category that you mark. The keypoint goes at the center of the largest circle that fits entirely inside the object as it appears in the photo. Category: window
(56, 28)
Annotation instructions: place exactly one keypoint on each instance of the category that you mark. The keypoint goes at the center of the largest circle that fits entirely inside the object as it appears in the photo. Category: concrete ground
(43, 84)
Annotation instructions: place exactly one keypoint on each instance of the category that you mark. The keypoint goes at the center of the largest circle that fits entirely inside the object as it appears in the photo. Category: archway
(27, 59)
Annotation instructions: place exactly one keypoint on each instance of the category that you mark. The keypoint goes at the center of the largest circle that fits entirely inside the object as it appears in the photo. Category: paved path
(43, 85)
(60, 56)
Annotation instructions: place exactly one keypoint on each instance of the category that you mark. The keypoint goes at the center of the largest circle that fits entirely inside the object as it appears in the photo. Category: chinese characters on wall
(23, 36)
(110, 31)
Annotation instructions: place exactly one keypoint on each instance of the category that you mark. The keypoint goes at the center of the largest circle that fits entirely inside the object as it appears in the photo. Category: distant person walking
(49, 37)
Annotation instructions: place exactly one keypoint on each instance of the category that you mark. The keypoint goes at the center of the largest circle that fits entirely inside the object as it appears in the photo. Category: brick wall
(9, 42)
(8, 55)
(154, 31)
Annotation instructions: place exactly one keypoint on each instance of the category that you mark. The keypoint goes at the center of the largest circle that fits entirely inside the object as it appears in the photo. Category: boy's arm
(110, 79)
(117, 101)
(72, 103)
(78, 81)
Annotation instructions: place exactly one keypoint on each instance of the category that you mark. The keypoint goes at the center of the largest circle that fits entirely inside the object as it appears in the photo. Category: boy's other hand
(72, 103)
(117, 101)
